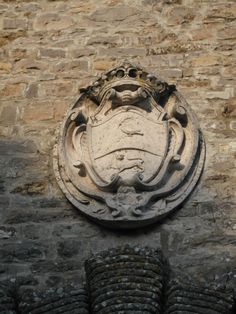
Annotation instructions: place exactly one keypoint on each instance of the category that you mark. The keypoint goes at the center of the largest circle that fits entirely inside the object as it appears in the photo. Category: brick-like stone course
(48, 50)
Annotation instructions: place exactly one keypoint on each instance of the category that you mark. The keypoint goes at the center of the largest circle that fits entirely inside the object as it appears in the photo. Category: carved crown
(130, 75)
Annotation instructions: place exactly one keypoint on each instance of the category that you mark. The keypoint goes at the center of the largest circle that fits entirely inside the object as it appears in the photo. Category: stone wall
(49, 49)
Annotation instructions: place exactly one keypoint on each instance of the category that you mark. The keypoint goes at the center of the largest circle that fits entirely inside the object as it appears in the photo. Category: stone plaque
(130, 150)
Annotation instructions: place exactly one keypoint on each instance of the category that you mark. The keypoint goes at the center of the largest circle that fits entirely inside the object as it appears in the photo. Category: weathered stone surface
(8, 115)
(114, 14)
(133, 283)
(102, 65)
(69, 248)
(190, 298)
(7, 302)
(12, 90)
(81, 52)
(200, 237)
(28, 64)
(62, 88)
(52, 53)
(180, 15)
(8, 37)
(52, 21)
(115, 285)
(31, 91)
(15, 24)
(71, 299)
(133, 172)
(5, 66)
(38, 111)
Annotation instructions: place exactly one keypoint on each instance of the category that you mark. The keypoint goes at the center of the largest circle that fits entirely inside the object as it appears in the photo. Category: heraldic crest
(130, 150)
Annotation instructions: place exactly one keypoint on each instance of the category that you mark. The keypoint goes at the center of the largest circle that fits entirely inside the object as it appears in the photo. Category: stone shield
(127, 143)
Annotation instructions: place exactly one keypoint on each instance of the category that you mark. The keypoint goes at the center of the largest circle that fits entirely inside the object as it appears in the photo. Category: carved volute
(130, 150)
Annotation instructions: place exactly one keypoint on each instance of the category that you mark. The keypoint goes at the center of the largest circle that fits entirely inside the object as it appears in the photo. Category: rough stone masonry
(50, 49)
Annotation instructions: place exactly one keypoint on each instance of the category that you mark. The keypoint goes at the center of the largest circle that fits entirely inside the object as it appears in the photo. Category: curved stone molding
(130, 150)
(139, 280)
(71, 300)
(189, 298)
(125, 280)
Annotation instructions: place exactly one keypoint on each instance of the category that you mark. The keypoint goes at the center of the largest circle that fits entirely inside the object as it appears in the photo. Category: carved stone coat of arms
(130, 150)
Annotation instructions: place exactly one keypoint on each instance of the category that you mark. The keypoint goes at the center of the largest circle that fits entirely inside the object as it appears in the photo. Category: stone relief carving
(130, 150)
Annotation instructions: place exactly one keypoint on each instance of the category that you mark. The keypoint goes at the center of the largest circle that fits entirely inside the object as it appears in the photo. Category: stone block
(8, 37)
(4, 202)
(175, 60)
(82, 52)
(104, 40)
(7, 232)
(58, 89)
(102, 65)
(12, 90)
(79, 65)
(36, 231)
(202, 33)
(225, 94)
(68, 248)
(122, 52)
(179, 15)
(31, 91)
(56, 267)
(225, 11)
(206, 60)
(52, 21)
(14, 147)
(177, 73)
(159, 61)
(21, 24)
(83, 7)
(5, 67)
(40, 111)
(8, 115)
(227, 33)
(30, 65)
(228, 108)
(52, 53)
(18, 53)
(233, 125)
(60, 108)
(114, 14)
(31, 188)
(27, 249)
(229, 71)
(7, 302)
(3, 7)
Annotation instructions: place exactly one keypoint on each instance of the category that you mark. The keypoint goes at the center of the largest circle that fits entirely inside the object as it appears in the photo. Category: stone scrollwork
(130, 150)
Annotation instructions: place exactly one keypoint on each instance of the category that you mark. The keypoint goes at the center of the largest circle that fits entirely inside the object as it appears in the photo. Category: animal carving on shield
(130, 150)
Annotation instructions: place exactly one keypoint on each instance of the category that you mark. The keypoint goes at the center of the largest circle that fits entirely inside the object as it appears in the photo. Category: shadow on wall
(124, 280)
